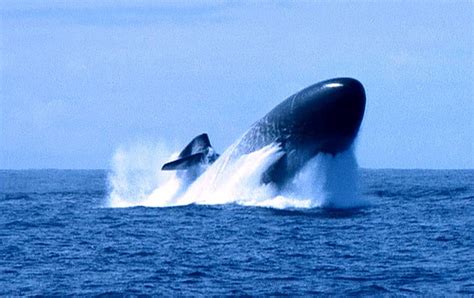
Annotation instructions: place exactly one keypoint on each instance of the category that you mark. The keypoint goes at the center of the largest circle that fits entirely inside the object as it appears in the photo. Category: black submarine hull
(322, 118)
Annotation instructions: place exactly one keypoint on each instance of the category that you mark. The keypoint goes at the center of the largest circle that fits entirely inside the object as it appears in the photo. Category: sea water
(372, 232)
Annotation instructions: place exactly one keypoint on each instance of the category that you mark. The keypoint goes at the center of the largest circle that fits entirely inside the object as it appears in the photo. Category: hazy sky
(80, 78)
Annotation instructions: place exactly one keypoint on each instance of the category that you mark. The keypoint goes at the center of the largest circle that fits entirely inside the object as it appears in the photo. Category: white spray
(325, 181)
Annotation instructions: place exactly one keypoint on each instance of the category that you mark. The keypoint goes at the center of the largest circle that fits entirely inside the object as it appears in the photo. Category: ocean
(60, 235)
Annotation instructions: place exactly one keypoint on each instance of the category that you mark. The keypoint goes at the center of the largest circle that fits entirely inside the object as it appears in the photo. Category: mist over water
(325, 181)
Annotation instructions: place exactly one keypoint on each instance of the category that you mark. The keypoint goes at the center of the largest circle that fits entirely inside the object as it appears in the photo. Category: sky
(79, 79)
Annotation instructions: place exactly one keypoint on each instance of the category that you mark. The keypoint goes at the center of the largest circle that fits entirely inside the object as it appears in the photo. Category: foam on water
(325, 181)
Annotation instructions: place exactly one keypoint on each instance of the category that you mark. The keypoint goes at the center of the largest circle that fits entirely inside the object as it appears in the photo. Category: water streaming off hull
(325, 181)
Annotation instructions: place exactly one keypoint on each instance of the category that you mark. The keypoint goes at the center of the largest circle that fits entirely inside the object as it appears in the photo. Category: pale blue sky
(80, 78)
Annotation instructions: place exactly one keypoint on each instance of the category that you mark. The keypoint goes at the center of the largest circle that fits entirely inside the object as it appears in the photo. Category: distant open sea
(415, 238)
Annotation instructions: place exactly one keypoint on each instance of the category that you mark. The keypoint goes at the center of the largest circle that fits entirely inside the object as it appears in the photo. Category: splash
(325, 181)
(330, 181)
(135, 174)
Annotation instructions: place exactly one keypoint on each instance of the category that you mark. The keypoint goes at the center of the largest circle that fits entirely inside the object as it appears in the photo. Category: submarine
(322, 118)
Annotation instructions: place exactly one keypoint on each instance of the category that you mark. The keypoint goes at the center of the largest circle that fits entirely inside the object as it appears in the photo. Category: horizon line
(105, 169)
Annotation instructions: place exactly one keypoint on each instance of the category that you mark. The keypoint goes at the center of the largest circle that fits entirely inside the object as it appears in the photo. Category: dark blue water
(417, 237)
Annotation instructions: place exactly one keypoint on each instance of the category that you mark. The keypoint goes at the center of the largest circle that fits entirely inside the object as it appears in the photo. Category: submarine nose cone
(330, 112)
(349, 98)
(346, 103)
(343, 106)
(334, 106)
(344, 91)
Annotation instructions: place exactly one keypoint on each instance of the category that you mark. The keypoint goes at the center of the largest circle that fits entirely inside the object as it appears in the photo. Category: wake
(325, 181)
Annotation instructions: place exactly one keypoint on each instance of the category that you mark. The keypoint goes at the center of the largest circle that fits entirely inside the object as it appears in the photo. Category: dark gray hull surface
(322, 118)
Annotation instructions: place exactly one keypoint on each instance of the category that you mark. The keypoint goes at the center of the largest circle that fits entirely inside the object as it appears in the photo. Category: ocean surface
(59, 235)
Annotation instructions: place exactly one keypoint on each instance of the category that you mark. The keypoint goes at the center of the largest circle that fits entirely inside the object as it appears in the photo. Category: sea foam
(325, 181)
